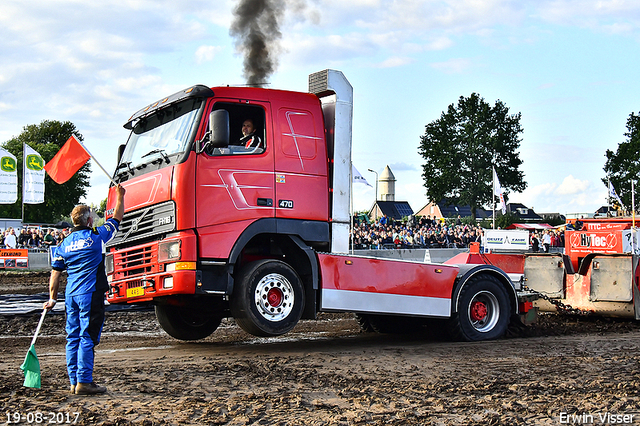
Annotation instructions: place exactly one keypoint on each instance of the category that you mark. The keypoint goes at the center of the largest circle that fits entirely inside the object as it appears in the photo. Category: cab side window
(247, 130)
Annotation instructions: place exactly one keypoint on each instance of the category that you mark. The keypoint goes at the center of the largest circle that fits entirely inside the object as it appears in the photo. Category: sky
(569, 67)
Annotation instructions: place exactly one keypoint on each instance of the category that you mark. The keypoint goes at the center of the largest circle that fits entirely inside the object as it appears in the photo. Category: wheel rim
(274, 297)
(478, 311)
(484, 311)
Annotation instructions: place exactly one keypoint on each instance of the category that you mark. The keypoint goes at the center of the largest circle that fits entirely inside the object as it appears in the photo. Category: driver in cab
(249, 138)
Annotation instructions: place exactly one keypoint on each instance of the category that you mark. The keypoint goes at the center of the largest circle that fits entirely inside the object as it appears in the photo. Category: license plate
(135, 291)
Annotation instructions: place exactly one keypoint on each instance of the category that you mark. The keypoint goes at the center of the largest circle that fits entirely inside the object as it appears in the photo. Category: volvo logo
(135, 222)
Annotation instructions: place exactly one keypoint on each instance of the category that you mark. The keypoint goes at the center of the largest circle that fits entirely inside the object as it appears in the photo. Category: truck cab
(201, 205)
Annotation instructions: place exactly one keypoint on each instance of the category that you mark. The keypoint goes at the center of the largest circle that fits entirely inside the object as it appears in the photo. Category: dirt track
(327, 372)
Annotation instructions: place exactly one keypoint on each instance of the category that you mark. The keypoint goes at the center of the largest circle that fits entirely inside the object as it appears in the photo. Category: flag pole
(608, 197)
(351, 236)
(99, 165)
(493, 196)
(23, 173)
(35, 336)
(633, 205)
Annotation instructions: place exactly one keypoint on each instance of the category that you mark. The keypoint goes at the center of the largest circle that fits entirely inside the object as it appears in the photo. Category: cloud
(572, 186)
(90, 63)
(456, 16)
(572, 195)
(207, 53)
(59, 55)
(614, 16)
(400, 29)
(332, 49)
(400, 25)
(452, 66)
(395, 62)
(440, 43)
(400, 167)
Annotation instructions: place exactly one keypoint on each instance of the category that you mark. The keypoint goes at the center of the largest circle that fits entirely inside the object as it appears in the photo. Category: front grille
(135, 261)
(145, 223)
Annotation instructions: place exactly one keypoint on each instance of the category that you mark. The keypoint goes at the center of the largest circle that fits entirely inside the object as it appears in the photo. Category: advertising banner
(14, 258)
(8, 178)
(606, 226)
(33, 185)
(581, 243)
(505, 240)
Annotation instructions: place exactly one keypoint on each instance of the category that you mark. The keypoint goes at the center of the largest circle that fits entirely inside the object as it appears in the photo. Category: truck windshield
(163, 134)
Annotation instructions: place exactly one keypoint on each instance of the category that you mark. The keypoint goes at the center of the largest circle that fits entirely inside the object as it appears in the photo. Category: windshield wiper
(158, 151)
(126, 164)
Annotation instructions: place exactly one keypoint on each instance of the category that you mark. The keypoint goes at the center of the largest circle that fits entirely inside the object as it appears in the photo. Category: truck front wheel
(268, 298)
(185, 322)
(483, 310)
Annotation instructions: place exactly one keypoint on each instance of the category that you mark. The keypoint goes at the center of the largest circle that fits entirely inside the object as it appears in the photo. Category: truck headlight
(108, 264)
(169, 251)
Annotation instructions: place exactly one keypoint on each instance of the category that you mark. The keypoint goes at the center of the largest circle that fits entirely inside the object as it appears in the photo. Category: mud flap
(527, 313)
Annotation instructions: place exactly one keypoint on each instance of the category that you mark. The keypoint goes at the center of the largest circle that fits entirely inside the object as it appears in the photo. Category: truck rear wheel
(483, 310)
(268, 298)
(185, 322)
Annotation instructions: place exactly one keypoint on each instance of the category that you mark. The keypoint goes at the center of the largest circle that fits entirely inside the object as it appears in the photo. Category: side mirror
(219, 128)
(219, 131)
(120, 152)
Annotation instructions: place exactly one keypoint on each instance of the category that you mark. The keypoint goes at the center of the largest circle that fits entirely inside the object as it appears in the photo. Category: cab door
(234, 185)
(301, 165)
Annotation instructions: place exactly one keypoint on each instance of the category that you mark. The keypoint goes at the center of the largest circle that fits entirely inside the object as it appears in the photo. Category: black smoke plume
(256, 28)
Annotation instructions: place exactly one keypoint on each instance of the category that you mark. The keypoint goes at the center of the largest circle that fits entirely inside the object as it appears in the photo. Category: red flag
(71, 157)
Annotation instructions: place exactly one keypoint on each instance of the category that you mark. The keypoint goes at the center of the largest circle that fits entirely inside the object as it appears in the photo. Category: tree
(462, 146)
(623, 166)
(505, 220)
(47, 138)
(102, 208)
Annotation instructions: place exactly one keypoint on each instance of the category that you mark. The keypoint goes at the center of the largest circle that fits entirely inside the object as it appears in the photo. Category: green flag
(31, 369)
(31, 365)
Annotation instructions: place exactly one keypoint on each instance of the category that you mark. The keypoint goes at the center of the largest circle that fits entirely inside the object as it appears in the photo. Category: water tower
(387, 185)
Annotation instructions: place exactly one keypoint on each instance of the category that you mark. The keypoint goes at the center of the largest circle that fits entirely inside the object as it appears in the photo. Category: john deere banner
(33, 185)
(8, 178)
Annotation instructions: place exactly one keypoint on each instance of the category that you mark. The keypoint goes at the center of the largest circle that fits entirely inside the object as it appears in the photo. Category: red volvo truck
(215, 228)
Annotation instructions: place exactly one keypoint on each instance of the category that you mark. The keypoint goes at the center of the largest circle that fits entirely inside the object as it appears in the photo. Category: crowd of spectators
(423, 232)
(546, 241)
(30, 238)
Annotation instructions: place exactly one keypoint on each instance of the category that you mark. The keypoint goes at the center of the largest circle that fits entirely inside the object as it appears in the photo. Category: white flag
(33, 184)
(614, 195)
(497, 190)
(8, 178)
(357, 177)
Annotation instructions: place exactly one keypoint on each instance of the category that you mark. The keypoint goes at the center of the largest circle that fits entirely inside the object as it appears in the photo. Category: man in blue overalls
(81, 254)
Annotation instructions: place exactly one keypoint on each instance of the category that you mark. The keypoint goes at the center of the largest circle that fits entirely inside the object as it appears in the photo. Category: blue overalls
(81, 254)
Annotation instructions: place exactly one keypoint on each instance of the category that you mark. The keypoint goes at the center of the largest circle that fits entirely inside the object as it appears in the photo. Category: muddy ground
(563, 370)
